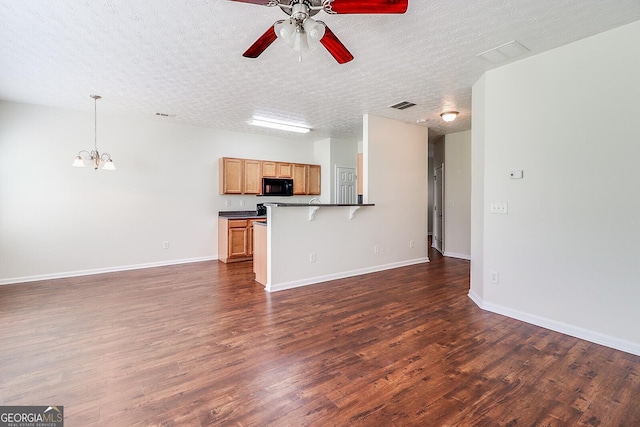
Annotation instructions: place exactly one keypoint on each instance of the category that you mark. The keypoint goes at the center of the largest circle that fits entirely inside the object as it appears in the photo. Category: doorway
(346, 185)
(438, 209)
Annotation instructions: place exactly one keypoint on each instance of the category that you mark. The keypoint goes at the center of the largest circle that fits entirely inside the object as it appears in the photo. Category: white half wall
(395, 157)
(567, 252)
(60, 221)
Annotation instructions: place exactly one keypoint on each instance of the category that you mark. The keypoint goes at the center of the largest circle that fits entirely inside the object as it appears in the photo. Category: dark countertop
(240, 214)
(320, 205)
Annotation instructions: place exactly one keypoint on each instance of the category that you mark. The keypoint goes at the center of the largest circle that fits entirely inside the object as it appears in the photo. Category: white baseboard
(68, 274)
(313, 280)
(554, 325)
(457, 255)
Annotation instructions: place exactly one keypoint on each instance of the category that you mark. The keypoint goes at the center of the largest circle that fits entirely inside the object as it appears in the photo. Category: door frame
(438, 209)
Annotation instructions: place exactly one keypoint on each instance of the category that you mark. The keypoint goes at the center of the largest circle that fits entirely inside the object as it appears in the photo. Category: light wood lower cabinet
(235, 239)
(260, 253)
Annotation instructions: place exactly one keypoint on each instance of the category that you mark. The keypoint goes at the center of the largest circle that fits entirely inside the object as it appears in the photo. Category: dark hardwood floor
(203, 344)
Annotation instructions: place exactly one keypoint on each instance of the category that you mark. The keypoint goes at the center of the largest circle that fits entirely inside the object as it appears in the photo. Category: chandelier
(94, 157)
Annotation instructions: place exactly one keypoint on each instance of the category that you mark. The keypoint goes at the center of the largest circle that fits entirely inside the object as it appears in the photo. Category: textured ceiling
(184, 58)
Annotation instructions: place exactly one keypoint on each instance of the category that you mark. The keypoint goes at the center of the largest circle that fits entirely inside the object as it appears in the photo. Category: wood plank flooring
(203, 344)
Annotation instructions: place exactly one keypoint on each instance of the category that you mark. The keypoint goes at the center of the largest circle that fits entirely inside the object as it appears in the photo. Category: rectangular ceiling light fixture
(278, 124)
(504, 52)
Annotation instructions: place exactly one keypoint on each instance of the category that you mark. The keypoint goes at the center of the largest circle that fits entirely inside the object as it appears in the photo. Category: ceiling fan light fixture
(279, 125)
(314, 30)
(449, 116)
(286, 31)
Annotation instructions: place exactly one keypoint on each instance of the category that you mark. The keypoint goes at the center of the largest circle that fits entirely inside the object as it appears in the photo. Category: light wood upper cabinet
(269, 169)
(300, 179)
(284, 170)
(231, 175)
(252, 177)
(306, 179)
(313, 180)
(244, 176)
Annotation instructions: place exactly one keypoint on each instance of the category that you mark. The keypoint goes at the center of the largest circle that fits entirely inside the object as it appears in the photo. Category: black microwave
(277, 187)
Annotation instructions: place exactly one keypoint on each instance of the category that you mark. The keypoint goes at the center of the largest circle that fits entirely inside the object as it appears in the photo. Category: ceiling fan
(299, 29)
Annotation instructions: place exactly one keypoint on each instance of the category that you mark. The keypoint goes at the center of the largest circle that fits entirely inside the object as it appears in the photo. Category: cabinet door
(252, 177)
(250, 238)
(269, 169)
(237, 238)
(300, 179)
(313, 180)
(284, 170)
(231, 174)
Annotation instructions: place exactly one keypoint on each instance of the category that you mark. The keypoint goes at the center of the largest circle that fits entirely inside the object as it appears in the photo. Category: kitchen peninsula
(297, 238)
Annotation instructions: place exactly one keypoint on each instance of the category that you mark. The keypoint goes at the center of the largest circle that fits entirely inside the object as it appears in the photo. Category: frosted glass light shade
(109, 166)
(79, 163)
(449, 116)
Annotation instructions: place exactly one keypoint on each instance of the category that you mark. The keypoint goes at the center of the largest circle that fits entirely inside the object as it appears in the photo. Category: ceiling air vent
(504, 52)
(402, 105)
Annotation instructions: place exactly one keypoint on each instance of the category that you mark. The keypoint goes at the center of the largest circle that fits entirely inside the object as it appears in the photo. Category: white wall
(56, 220)
(457, 195)
(567, 252)
(395, 159)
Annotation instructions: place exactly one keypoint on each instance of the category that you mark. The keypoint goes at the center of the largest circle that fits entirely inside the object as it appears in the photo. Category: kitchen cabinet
(252, 177)
(284, 170)
(269, 169)
(240, 176)
(313, 180)
(260, 255)
(231, 175)
(306, 179)
(244, 176)
(300, 179)
(235, 239)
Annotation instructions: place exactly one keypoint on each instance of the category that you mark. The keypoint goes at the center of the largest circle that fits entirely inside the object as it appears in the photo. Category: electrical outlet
(227, 203)
(376, 249)
(312, 257)
(241, 202)
(500, 208)
(165, 244)
(495, 277)
(411, 244)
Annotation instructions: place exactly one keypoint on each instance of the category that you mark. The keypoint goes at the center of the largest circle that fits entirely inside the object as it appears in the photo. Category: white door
(346, 182)
(438, 209)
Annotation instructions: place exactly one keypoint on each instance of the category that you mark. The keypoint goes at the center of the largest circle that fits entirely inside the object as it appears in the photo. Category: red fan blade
(262, 43)
(335, 46)
(261, 2)
(369, 6)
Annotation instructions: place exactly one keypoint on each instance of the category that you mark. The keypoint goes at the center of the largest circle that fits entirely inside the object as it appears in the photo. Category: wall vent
(402, 105)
